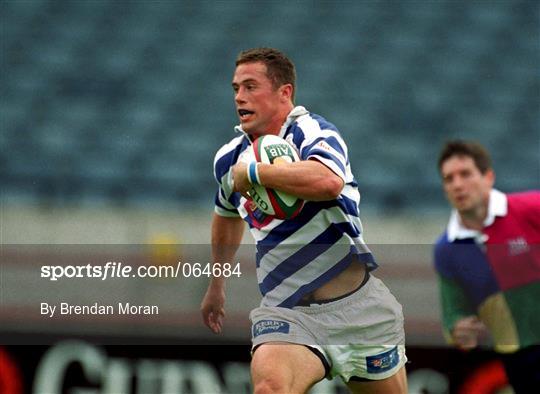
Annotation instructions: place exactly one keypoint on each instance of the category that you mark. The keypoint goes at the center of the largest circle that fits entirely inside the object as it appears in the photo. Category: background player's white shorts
(360, 335)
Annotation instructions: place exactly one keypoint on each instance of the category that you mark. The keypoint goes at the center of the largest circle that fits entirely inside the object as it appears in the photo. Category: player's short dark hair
(471, 149)
(279, 68)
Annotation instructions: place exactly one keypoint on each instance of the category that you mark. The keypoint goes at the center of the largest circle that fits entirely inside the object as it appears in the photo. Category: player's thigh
(280, 367)
(395, 384)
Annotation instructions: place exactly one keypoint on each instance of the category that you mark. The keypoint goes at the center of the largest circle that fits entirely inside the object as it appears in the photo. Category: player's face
(466, 187)
(258, 104)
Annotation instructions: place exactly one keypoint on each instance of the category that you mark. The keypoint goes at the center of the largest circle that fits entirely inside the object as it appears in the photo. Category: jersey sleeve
(328, 147)
(223, 207)
(225, 198)
(454, 302)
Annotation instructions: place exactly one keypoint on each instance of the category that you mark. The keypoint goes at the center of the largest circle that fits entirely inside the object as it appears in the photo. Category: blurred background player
(322, 313)
(488, 262)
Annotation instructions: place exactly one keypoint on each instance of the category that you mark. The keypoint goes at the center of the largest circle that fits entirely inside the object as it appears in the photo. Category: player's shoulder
(310, 127)
(441, 245)
(231, 150)
(230, 146)
(443, 255)
(524, 201)
(442, 240)
(313, 123)
(227, 155)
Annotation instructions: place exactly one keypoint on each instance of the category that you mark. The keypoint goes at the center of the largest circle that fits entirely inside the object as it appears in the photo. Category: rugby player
(488, 263)
(322, 314)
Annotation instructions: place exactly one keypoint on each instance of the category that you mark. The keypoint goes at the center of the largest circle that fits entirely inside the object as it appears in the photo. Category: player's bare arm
(308, 179)
(226, 237)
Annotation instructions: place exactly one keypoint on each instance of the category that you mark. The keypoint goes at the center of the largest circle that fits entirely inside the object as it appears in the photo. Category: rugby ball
(271, 149)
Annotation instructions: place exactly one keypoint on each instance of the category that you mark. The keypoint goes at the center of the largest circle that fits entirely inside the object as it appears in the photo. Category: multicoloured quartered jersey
(495, 273)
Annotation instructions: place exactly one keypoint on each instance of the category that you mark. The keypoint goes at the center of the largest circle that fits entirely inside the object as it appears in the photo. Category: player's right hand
(466, 332)
(241, 182)
(212, 308)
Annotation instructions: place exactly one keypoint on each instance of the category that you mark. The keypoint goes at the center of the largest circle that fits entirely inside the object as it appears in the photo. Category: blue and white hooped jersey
(299, 255)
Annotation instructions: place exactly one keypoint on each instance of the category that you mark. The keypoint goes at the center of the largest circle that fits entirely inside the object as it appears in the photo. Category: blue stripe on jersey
(233, 199)
(332, 141)
(294, 298)
(305, 255)
(219, 204)
(351, 206)
(298, 134)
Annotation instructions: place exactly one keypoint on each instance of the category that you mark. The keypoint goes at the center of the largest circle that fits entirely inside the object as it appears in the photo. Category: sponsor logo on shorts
(270, 327)
(382, 362)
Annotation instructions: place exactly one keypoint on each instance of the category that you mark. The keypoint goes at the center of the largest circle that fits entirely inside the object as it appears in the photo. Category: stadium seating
(127, 102)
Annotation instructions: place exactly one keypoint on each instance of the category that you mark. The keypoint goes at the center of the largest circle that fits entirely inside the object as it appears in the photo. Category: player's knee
(269, 377)
(269, 385)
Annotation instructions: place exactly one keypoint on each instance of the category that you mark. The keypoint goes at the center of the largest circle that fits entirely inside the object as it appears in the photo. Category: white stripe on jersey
(223, 212)
(351, 193)
(227, 186)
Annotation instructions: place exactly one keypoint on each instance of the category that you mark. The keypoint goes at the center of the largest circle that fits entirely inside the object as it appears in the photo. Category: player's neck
(279, 119)
(474, 219)
(275, 125)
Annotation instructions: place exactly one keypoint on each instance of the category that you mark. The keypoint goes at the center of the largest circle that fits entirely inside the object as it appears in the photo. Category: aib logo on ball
(279, 151)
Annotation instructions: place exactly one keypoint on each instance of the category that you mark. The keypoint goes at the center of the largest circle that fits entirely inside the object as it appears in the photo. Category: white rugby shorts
(359, 335)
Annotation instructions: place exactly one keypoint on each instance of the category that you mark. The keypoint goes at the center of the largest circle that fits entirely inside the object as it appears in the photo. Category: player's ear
(286, 92)
(490, 177)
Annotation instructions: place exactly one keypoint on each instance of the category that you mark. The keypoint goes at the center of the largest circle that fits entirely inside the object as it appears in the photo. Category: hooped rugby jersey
(495, 273)
(297, 256)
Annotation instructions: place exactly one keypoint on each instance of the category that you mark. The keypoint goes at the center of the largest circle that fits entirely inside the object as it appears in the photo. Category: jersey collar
(293, 115)
(498, 206)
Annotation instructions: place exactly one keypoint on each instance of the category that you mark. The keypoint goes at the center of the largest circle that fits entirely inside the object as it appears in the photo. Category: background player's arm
(308, 179)
(227, 235)
(460, 324)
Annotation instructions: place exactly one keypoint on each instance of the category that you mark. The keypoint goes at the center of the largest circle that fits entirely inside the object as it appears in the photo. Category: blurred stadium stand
(124, 103)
